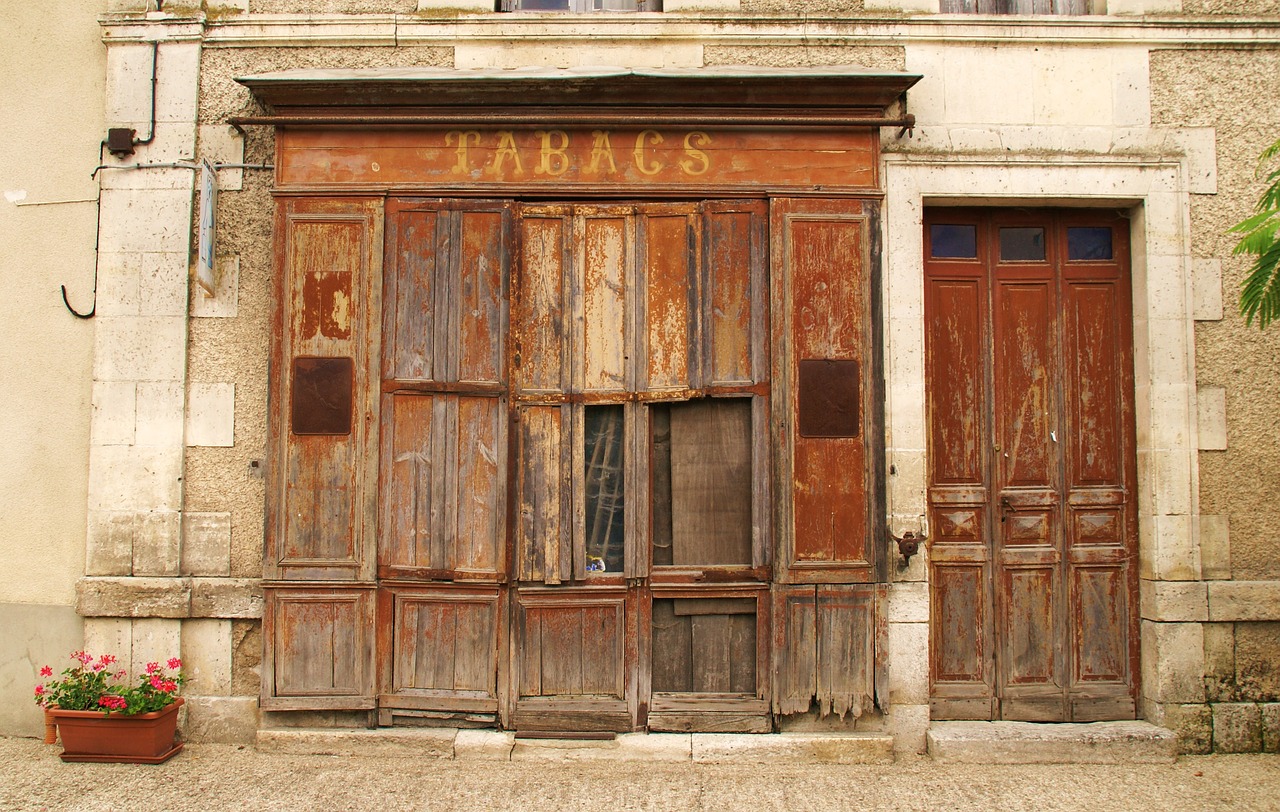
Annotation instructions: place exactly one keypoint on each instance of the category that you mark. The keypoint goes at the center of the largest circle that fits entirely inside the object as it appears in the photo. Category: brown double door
(1032, 498)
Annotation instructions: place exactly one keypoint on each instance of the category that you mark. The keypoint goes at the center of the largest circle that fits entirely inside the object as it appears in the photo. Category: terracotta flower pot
(146, 738)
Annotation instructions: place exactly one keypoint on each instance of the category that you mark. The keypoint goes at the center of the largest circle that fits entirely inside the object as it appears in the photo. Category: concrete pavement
(217, 777)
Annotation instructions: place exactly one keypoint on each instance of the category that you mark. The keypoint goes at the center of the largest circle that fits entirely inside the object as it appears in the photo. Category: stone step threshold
(492, 745)
(949, 742)
(1057, 743)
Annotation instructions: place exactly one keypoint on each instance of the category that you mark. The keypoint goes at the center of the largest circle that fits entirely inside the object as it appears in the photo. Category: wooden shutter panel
(825, 313)
(321, 505)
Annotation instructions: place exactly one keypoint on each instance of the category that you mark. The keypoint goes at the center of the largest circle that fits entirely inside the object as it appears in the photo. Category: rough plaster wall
(1236, 7)
(1243, 481)
(876, 57)
(333, 6)
(800, 8)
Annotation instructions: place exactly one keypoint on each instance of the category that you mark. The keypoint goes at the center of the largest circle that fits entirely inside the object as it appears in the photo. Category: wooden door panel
(605, 254)
(478, 312)
(571, 649)
(1025, 372)
(324, 436)
(418, 237)
(734, 269)
(539, 322)
(955, 315)
(319, 650)
(544, 546)
(444, 503)
(829, 644)
(822, 308)
(441, 648)
(669, 281)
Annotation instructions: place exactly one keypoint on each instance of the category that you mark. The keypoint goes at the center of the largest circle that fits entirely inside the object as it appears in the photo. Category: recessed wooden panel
(1024, 528)
(1029, 633)
(953, 323)
(1026, 418)
(958, 623)
(1100, 604)
(1096, 408)
(571, 647)
(445, 643)
(733, 264)
(543, 542)
(481, 478)
(321, 645)
(1098, 527)
(539, 320)
(607, 264)
(419, 244)
(697, 649)
(963, 526)
(320, 526)
(478, 290)
(669, 270)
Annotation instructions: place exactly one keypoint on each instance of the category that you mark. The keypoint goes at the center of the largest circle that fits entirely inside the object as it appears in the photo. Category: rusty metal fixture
(908, 544)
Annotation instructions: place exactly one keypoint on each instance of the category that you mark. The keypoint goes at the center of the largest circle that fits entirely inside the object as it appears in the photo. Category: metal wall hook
(908, 544)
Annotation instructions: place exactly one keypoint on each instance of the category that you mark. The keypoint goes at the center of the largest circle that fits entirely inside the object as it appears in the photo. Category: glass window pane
(1022, 245)
(543, 5)
(700, 480)
(953, 242)
(603, 438)
(1088, 243)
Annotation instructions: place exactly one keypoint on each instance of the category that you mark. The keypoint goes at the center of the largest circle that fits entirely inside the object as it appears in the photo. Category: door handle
(1005, 507)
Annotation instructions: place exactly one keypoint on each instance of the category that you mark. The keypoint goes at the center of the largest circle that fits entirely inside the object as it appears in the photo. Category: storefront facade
(542, 396)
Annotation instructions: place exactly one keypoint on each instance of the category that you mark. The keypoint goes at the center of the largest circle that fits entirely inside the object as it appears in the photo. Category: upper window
(581, 6)
(1066, 7)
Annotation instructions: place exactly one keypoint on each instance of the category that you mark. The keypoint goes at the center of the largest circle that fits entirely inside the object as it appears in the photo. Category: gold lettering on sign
(552, 155)
(462, 137)
(698, 161)
(600, 148)
(506, 147)
(652, 137)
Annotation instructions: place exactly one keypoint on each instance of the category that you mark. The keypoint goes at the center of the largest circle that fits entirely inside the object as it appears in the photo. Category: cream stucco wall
(52, 75)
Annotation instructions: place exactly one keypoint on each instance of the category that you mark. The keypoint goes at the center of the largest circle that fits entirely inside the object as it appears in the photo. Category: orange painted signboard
(659, 157)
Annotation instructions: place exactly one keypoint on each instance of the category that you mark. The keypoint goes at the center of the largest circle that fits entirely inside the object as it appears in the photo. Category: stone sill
(127, 596)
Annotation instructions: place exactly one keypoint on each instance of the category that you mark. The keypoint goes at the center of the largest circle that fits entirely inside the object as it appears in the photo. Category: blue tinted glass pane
(953, 242)
(543, 5)
(1022, 245)
(1088, 243)
(602, 446)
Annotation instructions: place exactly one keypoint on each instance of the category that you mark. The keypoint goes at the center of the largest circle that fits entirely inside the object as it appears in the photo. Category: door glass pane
(953, 242)
(603, 478)
(1022, 245)
(1088, 243)
(700, 479)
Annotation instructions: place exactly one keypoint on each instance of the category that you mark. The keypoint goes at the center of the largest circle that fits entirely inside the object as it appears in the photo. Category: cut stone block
(415, 743)
(1237, 727)
(1028, 743)
(793, 748)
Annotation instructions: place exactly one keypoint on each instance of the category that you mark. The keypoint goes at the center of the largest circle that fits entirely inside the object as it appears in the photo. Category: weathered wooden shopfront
(577, 394)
